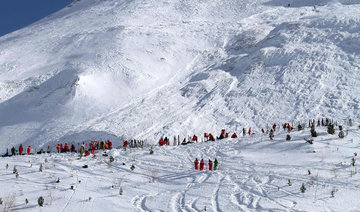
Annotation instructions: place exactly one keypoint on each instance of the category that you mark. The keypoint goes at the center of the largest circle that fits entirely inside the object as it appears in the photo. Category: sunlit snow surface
(145, 69)
(253, 175)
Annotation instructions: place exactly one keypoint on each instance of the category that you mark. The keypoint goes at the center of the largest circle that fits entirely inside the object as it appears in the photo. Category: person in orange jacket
(196, 162)
(21, 149)
(29, 150)
(202, 164)
(210, 165)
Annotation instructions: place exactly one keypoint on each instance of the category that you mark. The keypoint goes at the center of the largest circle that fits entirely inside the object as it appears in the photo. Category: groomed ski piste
(254, 174)
(146, 69)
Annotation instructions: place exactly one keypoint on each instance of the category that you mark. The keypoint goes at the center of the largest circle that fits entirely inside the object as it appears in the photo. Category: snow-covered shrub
(132, 167)
(41, 201)
(313, 131)
(288, 137)
(341, 134)
(302, 188)
(331, 129)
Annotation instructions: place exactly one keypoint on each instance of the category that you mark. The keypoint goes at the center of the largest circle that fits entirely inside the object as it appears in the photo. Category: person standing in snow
(202, 164)
(13, 151)
(210, 165)
(29, 150)
(216, 164)
(21, 149)
(196, 162)
(244, 132)
(125, 145)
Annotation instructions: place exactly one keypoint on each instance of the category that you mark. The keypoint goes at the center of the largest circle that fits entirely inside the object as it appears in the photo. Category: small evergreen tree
(309, 172)
(341, 134)
(151, 151)
(289, 182)
(331, 129)
(41, 201)
(121, 191)
(41, 168)
(353, 161)
(112, 159)
(288, 137)
(132, 167)
(14, 170)
(299, 127)
(313, 131)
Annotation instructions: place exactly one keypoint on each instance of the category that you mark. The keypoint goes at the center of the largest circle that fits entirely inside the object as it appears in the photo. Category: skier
(202, 164)
(215, 164)
(28, 150)
(21, 149)
(196, 162)
(13, 151)
(210, 165)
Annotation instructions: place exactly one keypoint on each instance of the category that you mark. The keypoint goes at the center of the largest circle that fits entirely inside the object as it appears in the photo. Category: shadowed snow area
(146, 69)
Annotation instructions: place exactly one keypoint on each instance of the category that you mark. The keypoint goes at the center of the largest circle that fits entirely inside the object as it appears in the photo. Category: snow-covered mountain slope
(143, 69)
(254, 174)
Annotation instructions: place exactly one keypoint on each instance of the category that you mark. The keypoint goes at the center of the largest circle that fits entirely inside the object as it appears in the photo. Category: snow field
(253, 176)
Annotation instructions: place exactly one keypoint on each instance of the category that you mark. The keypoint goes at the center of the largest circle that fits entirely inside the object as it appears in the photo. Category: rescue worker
(202, 164)
(250, 131)
(92, 149)
(210, 165)
(125, 144)
(215, 164)
(66, 147)
(21, 149)
(29, 150)
(110, 144)
(196, 162)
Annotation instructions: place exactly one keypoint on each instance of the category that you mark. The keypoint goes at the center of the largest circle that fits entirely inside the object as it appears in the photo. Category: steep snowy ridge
(144, 69)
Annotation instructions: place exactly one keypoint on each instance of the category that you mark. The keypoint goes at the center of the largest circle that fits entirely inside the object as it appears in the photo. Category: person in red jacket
(161, 142)
(210, 165)
(66, 147)
(61, 148)
(58, 148)
(21, 149)
(110, 144)
(262, 130)
(202, 164)
(196, 162)
(29, 150)
(234, 135)
(92, 148)
(211, 137)
(250, 131)
(125, 144)
(274, 127)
